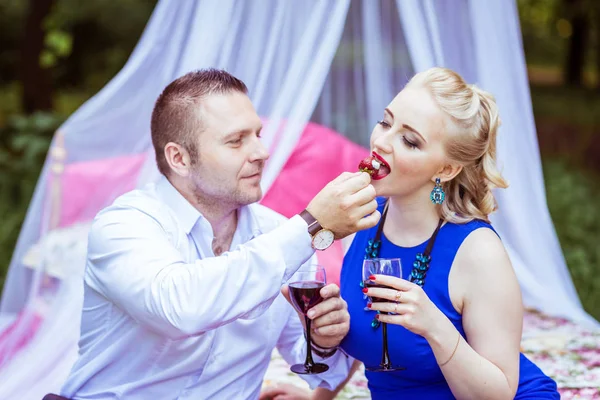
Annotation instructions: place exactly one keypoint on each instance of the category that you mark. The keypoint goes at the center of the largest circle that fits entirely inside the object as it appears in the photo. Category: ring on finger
(398, 296)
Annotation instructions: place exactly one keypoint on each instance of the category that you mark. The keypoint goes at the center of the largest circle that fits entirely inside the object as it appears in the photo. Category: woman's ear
(448, 172)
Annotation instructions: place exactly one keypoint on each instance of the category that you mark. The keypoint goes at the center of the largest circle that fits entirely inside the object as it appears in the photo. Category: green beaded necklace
(420, 265)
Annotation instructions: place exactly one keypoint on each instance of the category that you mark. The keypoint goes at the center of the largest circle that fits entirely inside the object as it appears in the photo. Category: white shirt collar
(187, 215)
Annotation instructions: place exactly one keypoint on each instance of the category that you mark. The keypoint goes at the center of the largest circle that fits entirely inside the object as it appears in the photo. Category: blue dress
(422, 378)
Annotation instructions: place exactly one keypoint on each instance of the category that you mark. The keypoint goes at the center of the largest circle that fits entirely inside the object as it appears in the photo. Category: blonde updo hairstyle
(472, 144)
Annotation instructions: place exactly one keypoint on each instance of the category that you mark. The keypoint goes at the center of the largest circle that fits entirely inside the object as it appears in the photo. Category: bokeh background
(55, 54)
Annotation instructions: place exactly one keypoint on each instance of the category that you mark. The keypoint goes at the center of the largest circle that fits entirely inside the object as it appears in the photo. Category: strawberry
(366, 165)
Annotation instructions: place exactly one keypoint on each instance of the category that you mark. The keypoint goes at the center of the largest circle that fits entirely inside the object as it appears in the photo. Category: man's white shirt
(163, 318)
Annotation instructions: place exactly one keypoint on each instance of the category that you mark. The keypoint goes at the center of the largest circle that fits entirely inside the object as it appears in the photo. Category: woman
(456, 327)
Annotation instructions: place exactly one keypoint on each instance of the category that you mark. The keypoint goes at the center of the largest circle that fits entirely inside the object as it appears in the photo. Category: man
(183, 277)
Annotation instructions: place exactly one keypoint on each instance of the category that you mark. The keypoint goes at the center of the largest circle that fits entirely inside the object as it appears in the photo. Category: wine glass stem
(309, 360)
(385, 357)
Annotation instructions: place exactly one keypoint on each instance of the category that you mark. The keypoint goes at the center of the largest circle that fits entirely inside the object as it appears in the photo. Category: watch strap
(325, 353)
(313, 225)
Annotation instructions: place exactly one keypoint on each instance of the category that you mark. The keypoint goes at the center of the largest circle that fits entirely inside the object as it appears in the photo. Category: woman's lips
(384, 170)
(381, 160)
(375, 166)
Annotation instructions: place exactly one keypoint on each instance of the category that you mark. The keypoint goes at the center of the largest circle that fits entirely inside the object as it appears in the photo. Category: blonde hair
(475, 115)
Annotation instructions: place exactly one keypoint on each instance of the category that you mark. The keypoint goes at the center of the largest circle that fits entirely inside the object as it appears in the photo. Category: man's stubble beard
(221, 197)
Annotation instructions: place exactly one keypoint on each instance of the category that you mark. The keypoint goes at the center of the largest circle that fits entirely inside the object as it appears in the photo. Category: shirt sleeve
(292, 347)
(132, 262)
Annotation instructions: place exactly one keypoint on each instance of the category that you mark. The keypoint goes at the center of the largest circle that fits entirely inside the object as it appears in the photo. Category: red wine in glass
(305, 293)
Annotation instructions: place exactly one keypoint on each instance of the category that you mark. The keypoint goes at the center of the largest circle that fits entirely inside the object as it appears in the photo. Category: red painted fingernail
(377, 316)
(372, 277)
(365, 290)
(368, 305)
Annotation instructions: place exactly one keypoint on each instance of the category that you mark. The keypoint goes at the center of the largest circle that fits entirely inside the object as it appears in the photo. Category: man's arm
(132, 263)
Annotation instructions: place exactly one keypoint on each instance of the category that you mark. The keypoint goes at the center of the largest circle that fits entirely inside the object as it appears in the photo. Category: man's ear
(178, 159)
(448, 172)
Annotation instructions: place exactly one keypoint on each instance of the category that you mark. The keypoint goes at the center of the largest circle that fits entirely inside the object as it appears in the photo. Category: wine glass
(305, 292)
(382, 266)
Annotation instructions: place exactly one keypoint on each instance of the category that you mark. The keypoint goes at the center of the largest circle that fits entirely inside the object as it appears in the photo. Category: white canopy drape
(335, 62)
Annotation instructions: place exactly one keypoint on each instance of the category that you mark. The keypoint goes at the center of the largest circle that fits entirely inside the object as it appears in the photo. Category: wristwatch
(321, 238)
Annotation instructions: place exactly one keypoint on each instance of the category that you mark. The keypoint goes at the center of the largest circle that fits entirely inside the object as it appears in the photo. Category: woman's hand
(411, 306)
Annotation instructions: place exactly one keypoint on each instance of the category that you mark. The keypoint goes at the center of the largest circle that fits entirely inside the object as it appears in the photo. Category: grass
(568, 124)
(573, 201)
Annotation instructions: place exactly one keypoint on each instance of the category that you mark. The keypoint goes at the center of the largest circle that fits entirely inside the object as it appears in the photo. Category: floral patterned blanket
(566, 351)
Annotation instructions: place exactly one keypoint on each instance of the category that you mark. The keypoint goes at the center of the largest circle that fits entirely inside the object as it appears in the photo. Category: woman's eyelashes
(384, 124)
(409, 143)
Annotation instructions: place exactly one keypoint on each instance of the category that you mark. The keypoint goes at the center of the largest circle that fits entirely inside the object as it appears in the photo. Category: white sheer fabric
(482, 41)
(336, 62)
(265, 45)
(372, 64)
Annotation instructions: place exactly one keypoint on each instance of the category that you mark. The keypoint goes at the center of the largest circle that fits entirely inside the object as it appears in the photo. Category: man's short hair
(175, 117)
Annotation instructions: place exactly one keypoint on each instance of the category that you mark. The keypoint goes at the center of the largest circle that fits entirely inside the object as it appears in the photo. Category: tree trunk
(35, 80)
(578, 42)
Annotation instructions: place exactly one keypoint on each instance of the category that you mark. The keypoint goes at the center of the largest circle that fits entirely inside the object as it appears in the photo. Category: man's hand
(346, 205)
(330, 318)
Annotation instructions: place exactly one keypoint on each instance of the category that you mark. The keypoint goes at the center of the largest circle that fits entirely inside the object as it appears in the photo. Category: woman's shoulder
(481, 266)
(475, 234)
(481, 248)
(459, 232)
(472, 225)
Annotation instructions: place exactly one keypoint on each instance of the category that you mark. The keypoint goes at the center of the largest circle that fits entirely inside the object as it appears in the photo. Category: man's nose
(260, 152)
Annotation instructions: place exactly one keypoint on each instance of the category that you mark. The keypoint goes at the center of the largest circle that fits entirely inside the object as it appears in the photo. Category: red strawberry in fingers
(369, 165)
(365, 165)
(375, 166)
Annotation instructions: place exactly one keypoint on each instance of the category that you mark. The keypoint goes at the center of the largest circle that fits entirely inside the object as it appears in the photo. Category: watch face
(323, 239)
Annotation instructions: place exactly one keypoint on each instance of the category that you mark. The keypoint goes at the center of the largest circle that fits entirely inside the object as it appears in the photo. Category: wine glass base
(385, 369)
(314, 369)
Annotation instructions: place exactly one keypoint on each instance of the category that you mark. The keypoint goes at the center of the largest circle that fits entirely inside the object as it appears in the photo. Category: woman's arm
(483, 284)
(487, 367)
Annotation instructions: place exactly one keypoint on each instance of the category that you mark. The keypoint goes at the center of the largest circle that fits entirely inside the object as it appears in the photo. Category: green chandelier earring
(437, 194)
